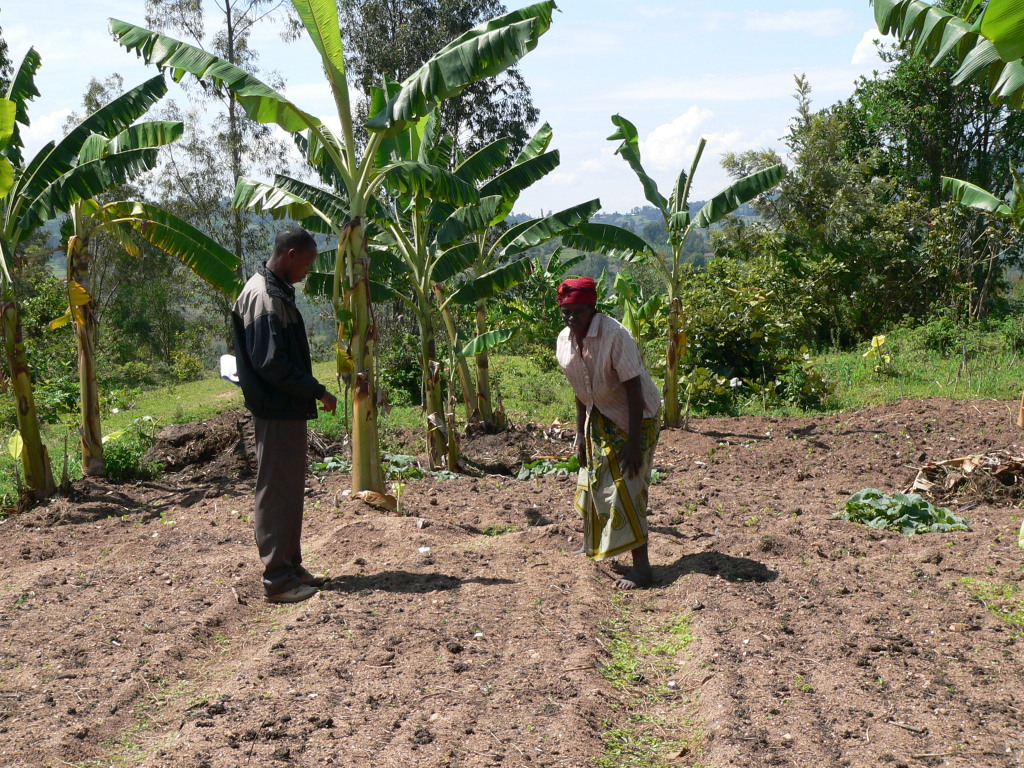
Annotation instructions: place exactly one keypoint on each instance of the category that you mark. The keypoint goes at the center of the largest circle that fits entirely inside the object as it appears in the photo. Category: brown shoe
(293, 595)
(312, 579)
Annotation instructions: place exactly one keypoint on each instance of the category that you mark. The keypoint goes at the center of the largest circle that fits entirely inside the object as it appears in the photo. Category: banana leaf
(494, 282)
(430, 181)
(83, 182)
(608, 239)
(542, 230)
(56, 160)
(261, 102)
(22, 90)
(738, 193)
(483, 162)
(973, 196)
(216, 265)
(509, 184)
(468, 219)
(487, 341)
(320, 18)
(537, 145)
(983, 58)
(1003, 24)
(485, 50)
(630, 151)
(453, 261)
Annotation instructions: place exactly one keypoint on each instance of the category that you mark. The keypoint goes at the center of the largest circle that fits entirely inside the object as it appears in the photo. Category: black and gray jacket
(272, 351)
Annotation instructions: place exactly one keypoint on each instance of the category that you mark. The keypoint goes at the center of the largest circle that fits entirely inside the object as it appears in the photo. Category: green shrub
(124, 452)
(186, 365)
(1011, 330)
(744, 322)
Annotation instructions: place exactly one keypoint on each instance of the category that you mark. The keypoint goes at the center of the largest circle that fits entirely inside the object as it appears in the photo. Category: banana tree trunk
(671, 391)
(34, 457)
(483, 375)
(84, 321)
(366, 464)
(433, 398)
(452, 454)
(461, 366)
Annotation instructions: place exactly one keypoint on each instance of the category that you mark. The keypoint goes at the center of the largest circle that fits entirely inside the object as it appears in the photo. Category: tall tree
(5, 64)
(392, 38)
(205, 166)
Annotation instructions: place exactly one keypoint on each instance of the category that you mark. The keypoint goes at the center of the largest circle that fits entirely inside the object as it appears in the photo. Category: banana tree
(489, 255)
(990, 48)
(38, 191)
(639, 311)
(1012, 210)
(676, 212)
(485, 50)
(127, 221)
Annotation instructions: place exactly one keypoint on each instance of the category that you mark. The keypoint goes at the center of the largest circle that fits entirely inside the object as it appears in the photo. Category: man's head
(294, 254)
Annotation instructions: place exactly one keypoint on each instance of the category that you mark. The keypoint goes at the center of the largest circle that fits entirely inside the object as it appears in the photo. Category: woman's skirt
(614, 507)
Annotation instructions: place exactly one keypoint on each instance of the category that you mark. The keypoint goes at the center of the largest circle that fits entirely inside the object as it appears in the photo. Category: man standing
(276, 376)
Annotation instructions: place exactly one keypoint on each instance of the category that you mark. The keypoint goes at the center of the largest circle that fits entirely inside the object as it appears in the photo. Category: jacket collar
(275, 285)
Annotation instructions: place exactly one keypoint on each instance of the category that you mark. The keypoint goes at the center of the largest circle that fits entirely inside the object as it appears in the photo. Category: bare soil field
(464, 633)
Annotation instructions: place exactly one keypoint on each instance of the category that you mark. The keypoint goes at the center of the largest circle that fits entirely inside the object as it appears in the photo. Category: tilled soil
(464, 633)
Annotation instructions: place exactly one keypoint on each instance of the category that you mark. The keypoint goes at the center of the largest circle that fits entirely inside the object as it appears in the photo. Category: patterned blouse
(596, 372)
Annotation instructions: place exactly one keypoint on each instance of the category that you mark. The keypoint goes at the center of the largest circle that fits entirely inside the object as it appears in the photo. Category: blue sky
(677, 69)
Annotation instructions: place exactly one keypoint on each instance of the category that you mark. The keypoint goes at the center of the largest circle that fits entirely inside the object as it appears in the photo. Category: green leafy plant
(1003, 600)
(398, 466)
(332, 464)
(907, 513)
(125, 452)
(548, 467)
(880, 361)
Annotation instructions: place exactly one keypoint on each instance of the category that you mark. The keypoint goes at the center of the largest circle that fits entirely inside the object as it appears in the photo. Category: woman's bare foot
(635, 578)
(640, 575)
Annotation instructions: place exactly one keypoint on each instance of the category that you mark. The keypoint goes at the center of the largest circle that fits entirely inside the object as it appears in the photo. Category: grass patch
(498, 530)
(642, 658)
(639, 654)
(628, 748)
(1005, 601)
(985, 368)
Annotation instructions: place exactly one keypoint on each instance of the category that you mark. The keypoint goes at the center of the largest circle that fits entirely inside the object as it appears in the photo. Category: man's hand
(328, 402)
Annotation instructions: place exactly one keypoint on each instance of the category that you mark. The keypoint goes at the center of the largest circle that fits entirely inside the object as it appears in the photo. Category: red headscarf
(578, 290)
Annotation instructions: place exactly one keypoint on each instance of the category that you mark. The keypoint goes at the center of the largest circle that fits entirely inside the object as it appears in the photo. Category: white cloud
(826, 22)
(865, 52)
(44, 128)
(647, 11)
(670, 145)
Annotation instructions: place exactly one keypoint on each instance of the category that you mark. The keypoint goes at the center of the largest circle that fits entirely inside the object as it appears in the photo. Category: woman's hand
(631, 459)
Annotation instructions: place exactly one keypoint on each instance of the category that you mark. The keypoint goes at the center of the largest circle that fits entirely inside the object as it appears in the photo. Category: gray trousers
(280, 487)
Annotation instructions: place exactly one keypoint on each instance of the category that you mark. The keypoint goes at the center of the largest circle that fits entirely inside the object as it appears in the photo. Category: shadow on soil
(735, 569)
(404, 581)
